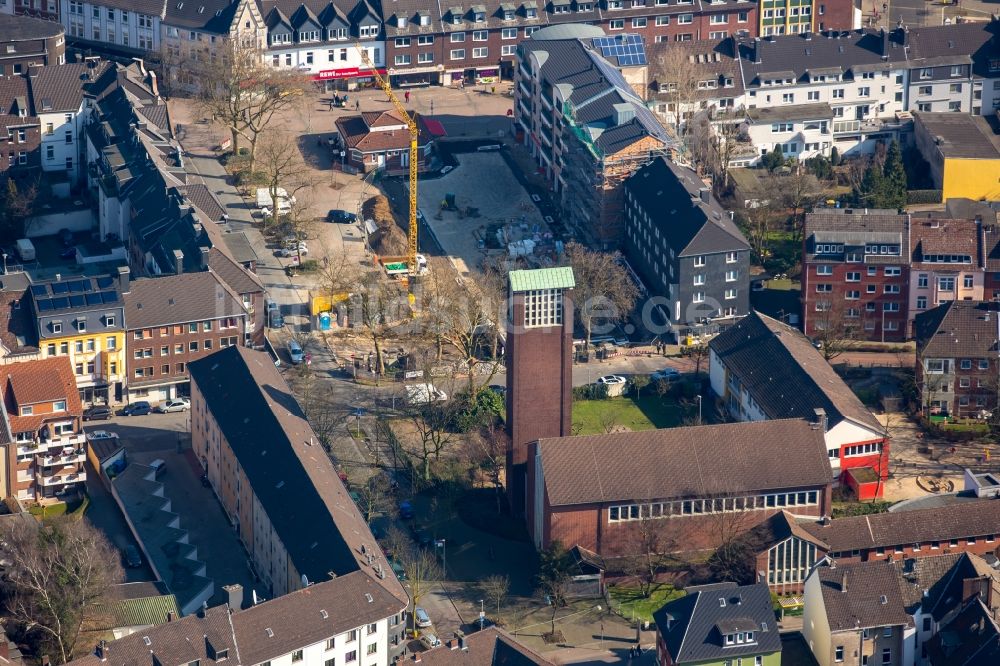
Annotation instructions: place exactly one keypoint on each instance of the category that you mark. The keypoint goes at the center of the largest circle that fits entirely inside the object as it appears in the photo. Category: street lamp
(5, 263)
(482, 614)
(698, 398)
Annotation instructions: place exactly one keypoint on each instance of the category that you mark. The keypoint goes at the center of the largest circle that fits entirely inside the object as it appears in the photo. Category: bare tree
(375, 496)
(699, 353)
(604, 291)
(554, 576)
(640, 382)
(325, 414)
(59, 573)
(491, 456)
(798, 192)
(243, 92)
(495, 589)
(731, 517)
(677, 75)
(377, 304)
(646, 549)
(835, 329)
(280, 163)
(422, 571)
(18, 206)
(758, 222)
(432, 422)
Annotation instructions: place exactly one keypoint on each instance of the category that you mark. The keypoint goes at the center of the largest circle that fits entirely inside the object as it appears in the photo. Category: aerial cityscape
(373, 332)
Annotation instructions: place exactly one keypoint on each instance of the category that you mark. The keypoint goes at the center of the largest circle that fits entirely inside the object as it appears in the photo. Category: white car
(611, 380)
(293, 250)
(665, 375)
(430, 641)
(94, 435)
(174, 405)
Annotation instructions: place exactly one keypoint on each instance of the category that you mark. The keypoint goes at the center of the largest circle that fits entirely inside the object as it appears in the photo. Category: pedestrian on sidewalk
(357, 105)
(406, 96)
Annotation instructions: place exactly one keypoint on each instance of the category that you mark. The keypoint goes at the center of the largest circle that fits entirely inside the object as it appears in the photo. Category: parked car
(665, 375)
(293, 250)
(406, 511)
(97, 413)
(611, 380)
(138, 408)
(275, 320)
(341, 217)
(430, 641)
(295, 353)
(423, 619)
(95, 435)
(174, 405)
(132, 557)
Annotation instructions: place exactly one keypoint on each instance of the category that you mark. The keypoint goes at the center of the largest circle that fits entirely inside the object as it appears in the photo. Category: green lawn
(630, 603)
(592, 417)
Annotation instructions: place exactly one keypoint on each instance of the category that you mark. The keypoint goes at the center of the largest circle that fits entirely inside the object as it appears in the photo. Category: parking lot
(165, 437)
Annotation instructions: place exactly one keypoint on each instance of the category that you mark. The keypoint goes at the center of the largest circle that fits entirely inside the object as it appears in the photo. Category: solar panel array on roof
(39, 290)
(626, 49)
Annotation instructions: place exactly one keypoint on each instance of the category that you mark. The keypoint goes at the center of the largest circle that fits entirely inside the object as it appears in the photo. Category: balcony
(524, 89)
(846, 126)
(67, 457)
(62, 480)
(546, 101)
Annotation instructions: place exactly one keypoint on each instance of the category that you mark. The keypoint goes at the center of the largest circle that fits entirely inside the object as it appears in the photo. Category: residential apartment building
(64, 98)
(957, 367)
(336, 621)
(586, 144)
(320, 38)
(20, 133)
(26, 42)
(718, 623)
(856, 273)
(686, 249)
(790, 17)
(286, 502)
(539, 368)
(47, 10)
(83, 319)
(963, 153)
(762, 369)
(42, 423)
(947, 263)
(172, 321)
(855, 615)
(597, 492)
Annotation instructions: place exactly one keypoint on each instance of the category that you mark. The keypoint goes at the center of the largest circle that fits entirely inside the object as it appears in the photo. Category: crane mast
(411, 124)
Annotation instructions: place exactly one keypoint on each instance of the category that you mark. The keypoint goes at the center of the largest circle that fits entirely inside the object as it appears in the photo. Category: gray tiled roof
(21, 28)
(977, 518)
(861, 596)
(772, 114)
(692, 626)
(670, 195)
(972, 638)
(178, 299)
(630, 466)
(63, 87)
(786, 376)
(958, 329)
(491, 647)
(961, 135)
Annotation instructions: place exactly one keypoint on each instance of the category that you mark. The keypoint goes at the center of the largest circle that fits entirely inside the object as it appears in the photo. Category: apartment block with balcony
(856, 273)
(83, 318)
(585, 127)
(43, 412)
(957, 367)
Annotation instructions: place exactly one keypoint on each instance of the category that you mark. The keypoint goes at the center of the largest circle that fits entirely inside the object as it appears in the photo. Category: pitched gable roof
(630, 466)
(966, 329)
(863, 595)
(786, 376)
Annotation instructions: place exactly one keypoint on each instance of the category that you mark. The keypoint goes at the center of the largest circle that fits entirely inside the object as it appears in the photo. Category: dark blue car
(139, 408)
(406, 510)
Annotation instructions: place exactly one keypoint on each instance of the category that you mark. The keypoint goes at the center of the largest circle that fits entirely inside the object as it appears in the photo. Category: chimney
(884, 34)
(153, 85)
(102, 650)
(821, 421)
(843, 581)
(416, 657)
(170, 616)
(204, 257)
(178, 262)
(235, 592)
(123, 279)
(756, 50)
(705, 194)
(906, 37)
(45, 661)
(452, 643)
(4, 648)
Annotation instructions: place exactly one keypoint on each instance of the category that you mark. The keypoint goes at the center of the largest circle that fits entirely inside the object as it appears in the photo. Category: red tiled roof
(34, 382)
(357, 135)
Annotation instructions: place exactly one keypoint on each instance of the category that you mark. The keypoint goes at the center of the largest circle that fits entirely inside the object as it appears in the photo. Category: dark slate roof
(202, 197)
(629, 466)
(671, 196)
(861, 596)
(935, 583)
(786, 376)
(978, 518)
(794, 56)
(237, 278)
(291, 475)
(178, 299)
(21, 28)
(595, 89)
(792, 112)
(776, 529)
(961, 135)
(63, 87)
(208, 15)
(491, 647)
(958, 329)
(713, 60)
(691, 626)
(972, 638)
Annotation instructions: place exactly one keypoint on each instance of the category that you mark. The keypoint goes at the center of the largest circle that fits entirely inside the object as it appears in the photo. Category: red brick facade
(863, 299)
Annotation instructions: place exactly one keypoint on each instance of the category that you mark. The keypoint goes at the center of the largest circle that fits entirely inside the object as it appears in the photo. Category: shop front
(416, 76)
(474, 75)
(348, 78)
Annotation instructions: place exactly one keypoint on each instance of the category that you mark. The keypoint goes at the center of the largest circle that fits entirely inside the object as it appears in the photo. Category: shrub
(923, 196)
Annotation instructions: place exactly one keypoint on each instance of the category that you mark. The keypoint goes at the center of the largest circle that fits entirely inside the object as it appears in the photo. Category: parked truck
(25, 249)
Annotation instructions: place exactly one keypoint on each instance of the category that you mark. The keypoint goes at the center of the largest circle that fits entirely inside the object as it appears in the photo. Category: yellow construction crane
(411, 124)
